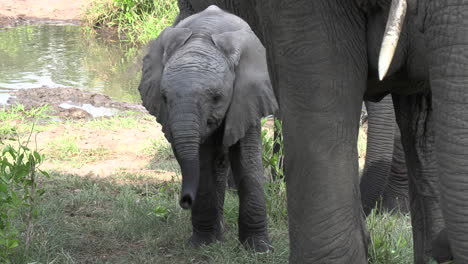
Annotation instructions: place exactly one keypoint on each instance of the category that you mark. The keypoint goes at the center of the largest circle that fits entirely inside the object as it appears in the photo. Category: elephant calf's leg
(222, 172)
(414, 116)
(207, 210)
(247, 168)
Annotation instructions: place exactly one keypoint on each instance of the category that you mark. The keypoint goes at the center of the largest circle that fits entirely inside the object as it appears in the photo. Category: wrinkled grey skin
(384, 181)
(322, 59)
(207, 83)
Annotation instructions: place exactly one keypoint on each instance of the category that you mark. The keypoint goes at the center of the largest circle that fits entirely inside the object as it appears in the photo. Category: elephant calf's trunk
(190, 178)
(186, 143)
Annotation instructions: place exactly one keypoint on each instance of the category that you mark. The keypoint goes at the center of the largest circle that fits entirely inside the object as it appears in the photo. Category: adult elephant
(384, 181)
(322, 58)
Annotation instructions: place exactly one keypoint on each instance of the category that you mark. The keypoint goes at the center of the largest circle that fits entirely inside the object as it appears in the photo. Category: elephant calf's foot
(441, 251)
(197, 240)
(259, 243)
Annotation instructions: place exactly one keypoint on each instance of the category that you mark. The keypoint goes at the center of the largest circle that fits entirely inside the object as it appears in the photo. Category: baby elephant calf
(207, 83)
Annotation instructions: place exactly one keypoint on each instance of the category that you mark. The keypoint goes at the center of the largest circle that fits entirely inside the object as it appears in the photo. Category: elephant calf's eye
(216, 98)
(211, 122)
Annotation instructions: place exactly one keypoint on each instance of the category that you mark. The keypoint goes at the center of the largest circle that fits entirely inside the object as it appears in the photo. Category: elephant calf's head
(197, 87)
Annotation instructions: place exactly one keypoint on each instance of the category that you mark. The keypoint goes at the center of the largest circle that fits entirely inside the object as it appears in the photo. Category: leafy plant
(138, 20)
(18, 189)
(161, 211)
(134, 8)
(272, 153)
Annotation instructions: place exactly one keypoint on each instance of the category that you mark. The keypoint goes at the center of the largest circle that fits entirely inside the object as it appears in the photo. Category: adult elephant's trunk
(186, 143)
(447, 39)
(379, 153)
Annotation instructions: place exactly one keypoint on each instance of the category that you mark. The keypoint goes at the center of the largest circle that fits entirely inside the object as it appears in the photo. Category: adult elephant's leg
(318, 63)
(206, 211)
(395, 196)
(246, 162)
(379, 152)
(414, 117)
(447, 38)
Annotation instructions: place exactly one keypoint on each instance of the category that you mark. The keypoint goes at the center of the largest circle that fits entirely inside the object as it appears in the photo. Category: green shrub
(18, 190)
(138, 20)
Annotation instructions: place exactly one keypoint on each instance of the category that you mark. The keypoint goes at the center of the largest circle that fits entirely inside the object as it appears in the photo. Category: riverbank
(20, 12)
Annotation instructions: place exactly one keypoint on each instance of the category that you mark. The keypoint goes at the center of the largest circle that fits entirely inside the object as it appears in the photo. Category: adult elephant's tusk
(395, 21)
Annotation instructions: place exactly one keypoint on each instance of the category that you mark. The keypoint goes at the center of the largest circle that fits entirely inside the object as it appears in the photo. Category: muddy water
(58, 56)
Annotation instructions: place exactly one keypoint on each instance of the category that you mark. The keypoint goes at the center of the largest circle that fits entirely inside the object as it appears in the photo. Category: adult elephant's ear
(159, 51)
(253, 96)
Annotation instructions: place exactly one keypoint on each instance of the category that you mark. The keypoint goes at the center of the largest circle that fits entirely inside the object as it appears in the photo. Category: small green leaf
(45, 173)
(160, 211)
(13, 244)
(25, 148)
(37, 156)
(3, 187)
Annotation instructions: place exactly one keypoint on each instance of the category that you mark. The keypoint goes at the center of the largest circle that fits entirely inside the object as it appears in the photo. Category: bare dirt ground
(103, 152)
(82, 145)
(17, 12)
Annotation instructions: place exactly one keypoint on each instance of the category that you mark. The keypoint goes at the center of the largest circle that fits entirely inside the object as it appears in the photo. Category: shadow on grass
(130, 218)
(136, 220)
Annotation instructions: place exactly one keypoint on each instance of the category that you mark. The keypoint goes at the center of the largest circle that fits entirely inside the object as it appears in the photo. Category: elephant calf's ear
(253, 96)
(159, 51)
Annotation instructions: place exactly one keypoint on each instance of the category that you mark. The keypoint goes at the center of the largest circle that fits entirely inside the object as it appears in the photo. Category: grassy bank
(136, 20)
(92, 212)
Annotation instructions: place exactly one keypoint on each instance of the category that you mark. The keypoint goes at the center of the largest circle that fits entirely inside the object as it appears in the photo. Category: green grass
(391, 238)
(160, 148)
(91, 220)
(129, 119)
(168, 165)
(164, 159)
(135, 218)
(97, 220)
(65, 148)
(18, 119)
(19, 112)
(138, 20)
(21, 119)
